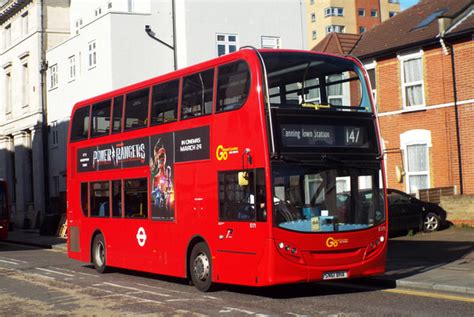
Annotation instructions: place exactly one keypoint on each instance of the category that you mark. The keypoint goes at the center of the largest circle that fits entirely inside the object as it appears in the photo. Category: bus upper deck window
(117, 115)
(233, 86)
(136, 109)
(80, 124)
(164, 102)
(197, 94)
(101, 118)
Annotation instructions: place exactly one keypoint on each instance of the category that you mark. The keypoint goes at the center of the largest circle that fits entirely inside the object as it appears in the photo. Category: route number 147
(353, 136)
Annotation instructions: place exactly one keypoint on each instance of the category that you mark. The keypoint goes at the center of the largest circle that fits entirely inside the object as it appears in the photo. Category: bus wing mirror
(243, 179)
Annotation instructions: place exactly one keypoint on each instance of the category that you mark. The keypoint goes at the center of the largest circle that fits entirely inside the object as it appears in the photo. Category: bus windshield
(305, 80)
(318, 198)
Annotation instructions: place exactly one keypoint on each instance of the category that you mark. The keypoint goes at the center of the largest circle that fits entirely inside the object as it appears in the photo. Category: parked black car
(406, 213)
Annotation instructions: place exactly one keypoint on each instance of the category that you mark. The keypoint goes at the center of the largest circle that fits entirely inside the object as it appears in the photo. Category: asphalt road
(45, 282)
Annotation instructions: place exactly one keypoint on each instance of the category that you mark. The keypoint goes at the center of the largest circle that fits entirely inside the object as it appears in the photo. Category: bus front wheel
(201, 267)
(98, 253)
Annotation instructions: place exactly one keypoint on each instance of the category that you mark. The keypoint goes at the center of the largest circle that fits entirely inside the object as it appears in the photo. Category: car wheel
(201, 267)
(431, 222)
(98, 253)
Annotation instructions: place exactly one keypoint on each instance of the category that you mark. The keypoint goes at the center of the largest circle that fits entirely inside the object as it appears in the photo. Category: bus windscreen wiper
(317, 106)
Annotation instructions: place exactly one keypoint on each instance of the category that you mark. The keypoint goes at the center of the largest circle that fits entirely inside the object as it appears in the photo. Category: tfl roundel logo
(141, 236)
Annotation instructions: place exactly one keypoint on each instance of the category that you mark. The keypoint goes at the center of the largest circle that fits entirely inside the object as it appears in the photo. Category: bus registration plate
(334, 275)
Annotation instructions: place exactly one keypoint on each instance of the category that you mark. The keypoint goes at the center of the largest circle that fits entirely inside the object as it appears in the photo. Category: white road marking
(135, 289)
(164, 289)
(9, 262)
(55, 272)
(15, 260)
(43, 276)
(75, 272)
(232, 309)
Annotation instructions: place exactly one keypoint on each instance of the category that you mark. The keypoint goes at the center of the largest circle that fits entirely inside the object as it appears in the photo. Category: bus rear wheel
(201, 267)
(98, 253)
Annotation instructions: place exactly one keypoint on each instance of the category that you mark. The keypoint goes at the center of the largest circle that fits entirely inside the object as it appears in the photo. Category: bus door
(242, 225)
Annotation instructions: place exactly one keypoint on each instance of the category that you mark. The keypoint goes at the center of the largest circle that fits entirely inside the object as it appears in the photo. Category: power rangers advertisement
(160, 152)
(161, 177)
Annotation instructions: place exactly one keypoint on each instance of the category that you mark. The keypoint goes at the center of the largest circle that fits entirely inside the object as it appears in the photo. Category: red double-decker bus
(4, 210)
(257, 168)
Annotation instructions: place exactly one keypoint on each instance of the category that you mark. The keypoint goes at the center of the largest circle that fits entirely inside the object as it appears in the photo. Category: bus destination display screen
(319, 135)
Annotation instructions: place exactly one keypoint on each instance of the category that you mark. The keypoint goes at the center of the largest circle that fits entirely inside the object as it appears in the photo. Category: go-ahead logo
(334, 243)
(222, 153)
(141, 236)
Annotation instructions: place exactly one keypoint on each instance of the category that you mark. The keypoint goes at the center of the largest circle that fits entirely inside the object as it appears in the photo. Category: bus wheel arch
(98, 252)
(199, 264)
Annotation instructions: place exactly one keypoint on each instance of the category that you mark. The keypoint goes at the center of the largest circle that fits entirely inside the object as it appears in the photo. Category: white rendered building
(109, 49)
(27, 29)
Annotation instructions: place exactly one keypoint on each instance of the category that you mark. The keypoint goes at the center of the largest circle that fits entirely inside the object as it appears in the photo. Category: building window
(415, 145)
(361, 12)
(314, 35)
(8, 92)
(313, 17)
(92, 54)
(391, 14)
(72, 68)
(24, 23)
(412, 80)
(54, 133)
(334, 11)
(271, 42)
(373, 13)
(78, 25)
(373, 82)
(53, 76)
(130, 5)
(362, 29)
(226, 43)
(25, 84)
(8, 35)
(335, 28)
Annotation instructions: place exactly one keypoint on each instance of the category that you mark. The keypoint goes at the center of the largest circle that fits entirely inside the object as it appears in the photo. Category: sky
(404, 4)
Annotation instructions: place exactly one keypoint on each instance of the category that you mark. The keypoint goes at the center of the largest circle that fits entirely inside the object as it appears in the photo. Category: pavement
(439, 261)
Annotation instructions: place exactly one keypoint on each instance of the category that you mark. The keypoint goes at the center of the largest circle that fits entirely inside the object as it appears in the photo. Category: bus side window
(101, 118)
(164, 102)
(242, 202)
(136, 198)
(117, 198)
(85, 199)
(136, 109)
(233, 85)
(117, 115)
(99, 201)
(197, 94)
(80, 124)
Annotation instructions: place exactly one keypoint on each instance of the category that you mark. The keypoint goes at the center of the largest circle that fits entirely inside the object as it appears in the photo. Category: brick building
(420, 63)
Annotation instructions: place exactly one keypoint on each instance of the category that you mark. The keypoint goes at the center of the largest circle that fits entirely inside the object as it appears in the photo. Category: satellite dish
(399, 173)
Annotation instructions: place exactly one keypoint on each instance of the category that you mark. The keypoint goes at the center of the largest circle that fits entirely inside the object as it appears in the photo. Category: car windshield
(321, 82)
(317, 198)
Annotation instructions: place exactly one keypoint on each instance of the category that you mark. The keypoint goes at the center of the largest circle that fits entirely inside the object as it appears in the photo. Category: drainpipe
(44, 109)
(443, 23)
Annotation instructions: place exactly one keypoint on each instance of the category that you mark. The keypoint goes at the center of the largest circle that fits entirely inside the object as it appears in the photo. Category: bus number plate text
(334, 275)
